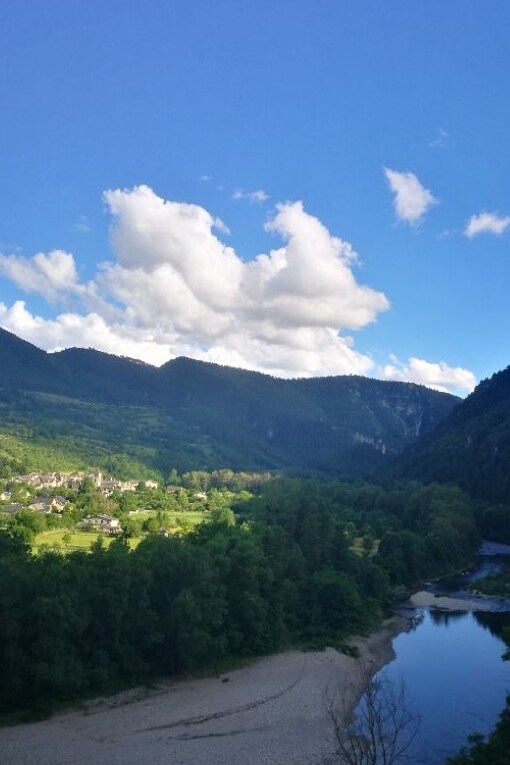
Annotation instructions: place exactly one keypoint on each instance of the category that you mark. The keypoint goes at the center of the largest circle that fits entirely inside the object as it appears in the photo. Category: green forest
(353, 493)
(299, 563)
(81, 408)
(470, 447)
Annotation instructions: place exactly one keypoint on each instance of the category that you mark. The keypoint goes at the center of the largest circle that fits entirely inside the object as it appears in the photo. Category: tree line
(302, 563)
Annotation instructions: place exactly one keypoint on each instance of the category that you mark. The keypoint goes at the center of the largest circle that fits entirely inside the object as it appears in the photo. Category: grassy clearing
(187, 517)
(77, 540)
(357, 546)
(63, 539)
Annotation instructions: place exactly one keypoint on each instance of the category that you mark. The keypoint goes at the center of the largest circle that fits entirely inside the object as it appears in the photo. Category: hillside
(471, 447)
(131, 418)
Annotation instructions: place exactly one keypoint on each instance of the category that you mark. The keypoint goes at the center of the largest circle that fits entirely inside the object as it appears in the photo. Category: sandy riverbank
(424, 599)
(272, 712)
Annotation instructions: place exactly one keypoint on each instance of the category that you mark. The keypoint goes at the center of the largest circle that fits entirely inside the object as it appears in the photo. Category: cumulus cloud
(304, 353)
(172, 271)
(91, 330)
(309, 281)
(411, 200)
(437, 375)
(282, 313)
(253, 196)
(486, 223)
(49, 275)
(173, 287)
(149, 232)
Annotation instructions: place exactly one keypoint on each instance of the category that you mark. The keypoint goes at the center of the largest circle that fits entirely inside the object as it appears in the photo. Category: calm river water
(455, 676)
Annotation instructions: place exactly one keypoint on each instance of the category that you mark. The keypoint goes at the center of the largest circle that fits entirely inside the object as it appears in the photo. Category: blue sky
(303, 188)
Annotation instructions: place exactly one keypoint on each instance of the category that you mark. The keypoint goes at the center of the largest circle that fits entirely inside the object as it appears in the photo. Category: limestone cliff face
(397, 416)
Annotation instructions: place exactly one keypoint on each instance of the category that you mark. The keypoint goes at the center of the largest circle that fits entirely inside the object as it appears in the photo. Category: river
(451, 663)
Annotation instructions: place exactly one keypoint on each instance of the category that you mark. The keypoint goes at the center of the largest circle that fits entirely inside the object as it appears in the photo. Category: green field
(78, 540)
(82, 540)
(186, 518)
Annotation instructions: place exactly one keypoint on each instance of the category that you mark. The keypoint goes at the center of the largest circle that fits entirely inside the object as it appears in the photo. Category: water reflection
(494, 622)
(451, 664)
(446, 617)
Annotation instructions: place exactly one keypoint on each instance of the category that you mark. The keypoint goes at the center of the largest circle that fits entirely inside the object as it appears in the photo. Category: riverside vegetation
(276, 563)
(302, 562)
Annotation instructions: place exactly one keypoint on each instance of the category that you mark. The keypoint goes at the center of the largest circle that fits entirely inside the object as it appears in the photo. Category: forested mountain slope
(130, 417)
(471, 447)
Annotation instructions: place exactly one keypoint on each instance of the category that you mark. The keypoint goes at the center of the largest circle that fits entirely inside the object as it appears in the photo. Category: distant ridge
(122, 413)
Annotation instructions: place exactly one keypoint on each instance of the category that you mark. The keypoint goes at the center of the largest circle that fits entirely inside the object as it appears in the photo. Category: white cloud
(55, 278)
(411, 200)
(253, 196)
(149, 232)
(312, 352)
(174, 288)
(47, 275)
(85, 331)
(221, 227)
(309, 282)
(437, 375)
(486, 223)
(307, 352)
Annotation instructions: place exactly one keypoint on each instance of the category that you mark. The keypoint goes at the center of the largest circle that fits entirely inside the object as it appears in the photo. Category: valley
(180, 520)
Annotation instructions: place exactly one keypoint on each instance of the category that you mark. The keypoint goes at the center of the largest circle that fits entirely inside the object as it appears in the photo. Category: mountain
(471, 447)
(129, 417)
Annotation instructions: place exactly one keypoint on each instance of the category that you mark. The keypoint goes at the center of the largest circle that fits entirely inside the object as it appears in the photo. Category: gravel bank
(424, 599)
(269, 713)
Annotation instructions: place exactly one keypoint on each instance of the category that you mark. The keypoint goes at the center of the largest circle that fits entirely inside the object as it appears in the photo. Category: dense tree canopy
(294, 566)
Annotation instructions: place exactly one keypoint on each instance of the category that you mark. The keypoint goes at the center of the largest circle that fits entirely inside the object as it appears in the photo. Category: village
(42, 498)
(45, 508)
(75, 480)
